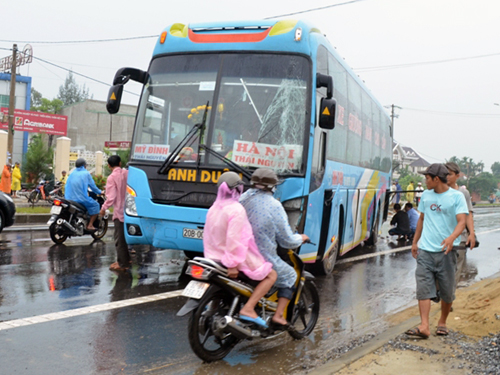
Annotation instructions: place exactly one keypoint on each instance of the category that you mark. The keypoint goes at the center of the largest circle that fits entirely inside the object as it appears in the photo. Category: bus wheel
(372, 240)
(325, 266)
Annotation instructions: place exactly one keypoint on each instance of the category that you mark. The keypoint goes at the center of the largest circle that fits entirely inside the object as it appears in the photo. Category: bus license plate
(192, 233)
(55, 210)
(195, 289)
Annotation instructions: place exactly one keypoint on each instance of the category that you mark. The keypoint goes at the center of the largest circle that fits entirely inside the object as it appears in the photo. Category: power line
(409, 65)
(79, 74)
(314, 9)
(81, 41)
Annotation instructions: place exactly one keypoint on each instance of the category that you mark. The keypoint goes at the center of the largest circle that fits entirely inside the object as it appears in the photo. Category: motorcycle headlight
(130, 207)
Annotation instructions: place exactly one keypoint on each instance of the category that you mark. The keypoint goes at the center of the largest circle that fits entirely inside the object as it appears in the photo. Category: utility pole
(12, 103)
(393, 115)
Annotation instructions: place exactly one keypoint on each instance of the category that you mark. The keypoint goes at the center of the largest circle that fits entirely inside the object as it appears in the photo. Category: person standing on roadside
(16, 180)
(5, 184)
(468, 237)
(398, 191)
(116, 186)
(410, 196)
(418, 194)
(443, 214)
(63, 179)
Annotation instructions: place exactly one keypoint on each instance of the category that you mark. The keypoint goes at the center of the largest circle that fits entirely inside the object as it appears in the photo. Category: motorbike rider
(271, 228)
(228, 238)
(77, 190)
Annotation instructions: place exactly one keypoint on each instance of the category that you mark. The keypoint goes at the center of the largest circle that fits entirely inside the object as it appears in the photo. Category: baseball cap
(453, 167)
(436, 169)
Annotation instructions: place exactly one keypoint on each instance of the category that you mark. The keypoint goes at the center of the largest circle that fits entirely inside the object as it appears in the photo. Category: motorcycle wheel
(56, 237)
(202, 340)
(101, 230)
(34, 197)
(306, 312)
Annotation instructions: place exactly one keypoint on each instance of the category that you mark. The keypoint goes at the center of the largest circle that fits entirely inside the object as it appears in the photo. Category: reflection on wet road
(38, 278)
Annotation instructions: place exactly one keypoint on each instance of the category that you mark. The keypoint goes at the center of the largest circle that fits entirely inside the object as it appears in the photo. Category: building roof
(420, 163)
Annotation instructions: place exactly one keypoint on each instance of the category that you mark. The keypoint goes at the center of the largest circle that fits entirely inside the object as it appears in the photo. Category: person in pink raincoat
(228, 238)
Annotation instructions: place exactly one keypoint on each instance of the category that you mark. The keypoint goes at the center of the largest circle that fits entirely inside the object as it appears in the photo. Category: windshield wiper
(229, 162)
(188, 139)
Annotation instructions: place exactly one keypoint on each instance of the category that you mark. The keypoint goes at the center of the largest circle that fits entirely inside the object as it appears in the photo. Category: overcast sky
(447, 107)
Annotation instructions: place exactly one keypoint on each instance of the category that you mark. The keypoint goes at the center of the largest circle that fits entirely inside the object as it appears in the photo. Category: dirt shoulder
(473, 346)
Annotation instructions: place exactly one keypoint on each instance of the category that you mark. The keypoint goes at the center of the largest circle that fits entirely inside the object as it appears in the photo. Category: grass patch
(33, 210)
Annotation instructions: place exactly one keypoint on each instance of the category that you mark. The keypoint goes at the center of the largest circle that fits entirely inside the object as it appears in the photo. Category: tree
(495, 168)
(48, 106)
(36, 98)
(484, 184)
(71, 93)
(39, 159)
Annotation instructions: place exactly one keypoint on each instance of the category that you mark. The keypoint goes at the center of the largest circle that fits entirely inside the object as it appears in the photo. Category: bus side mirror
(114, 99)
(323, 80)
(327, 113)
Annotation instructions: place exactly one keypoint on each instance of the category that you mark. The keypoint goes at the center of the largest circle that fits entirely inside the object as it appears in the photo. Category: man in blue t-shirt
(443, 213)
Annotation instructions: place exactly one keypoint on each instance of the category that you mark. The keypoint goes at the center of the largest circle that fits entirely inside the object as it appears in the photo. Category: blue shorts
(91, 205)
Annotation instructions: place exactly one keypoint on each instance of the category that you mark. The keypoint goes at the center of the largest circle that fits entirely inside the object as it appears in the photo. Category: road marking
(372, 255)
(9, 324)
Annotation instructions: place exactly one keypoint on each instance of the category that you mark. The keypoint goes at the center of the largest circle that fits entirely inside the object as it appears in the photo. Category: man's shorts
(436, 267)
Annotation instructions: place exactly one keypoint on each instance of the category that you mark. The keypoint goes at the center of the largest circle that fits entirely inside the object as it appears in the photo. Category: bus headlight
(130, 207)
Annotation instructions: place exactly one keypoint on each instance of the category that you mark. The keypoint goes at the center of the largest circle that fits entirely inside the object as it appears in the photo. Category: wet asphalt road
(38, 278)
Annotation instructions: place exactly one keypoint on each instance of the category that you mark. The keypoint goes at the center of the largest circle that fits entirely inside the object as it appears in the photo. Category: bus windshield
(256, 113)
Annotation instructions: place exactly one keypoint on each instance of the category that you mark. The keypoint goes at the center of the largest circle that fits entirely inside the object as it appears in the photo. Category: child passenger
(228, 238)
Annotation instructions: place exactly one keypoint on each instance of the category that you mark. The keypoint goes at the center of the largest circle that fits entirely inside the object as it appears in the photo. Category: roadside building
(90, 125)
(404, 156)
(22, 101)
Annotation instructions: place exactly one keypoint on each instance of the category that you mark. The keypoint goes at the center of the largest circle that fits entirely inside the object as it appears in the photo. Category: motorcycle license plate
(195, 289)
(192, 233)
(55, 210)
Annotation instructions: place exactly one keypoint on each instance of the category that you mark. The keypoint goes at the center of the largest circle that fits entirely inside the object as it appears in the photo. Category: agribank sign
(35, 122)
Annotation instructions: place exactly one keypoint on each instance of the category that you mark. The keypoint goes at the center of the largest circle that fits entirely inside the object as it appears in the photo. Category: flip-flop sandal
(259, 321)
(442, 331)
(416, 332)
(280, 327)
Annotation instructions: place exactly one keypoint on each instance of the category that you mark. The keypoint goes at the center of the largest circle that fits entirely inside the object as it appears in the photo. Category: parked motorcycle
(214, 327)
(70, 219)
(44, 192)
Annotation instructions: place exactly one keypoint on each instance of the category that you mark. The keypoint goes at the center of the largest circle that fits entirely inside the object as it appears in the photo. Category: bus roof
(260, 35)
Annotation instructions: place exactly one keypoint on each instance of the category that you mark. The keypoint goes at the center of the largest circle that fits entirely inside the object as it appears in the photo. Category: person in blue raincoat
(77, 190)
(270, 228)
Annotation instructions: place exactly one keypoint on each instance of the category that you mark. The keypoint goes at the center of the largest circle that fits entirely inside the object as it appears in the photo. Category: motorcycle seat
(241, 276)
(78, 205)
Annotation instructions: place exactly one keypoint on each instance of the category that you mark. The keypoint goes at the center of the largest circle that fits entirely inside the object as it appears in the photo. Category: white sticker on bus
(151, 152)
(255, 154)
(207, 86)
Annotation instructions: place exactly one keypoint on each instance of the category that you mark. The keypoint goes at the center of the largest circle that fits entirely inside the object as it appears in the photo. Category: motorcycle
(40, 192)
(214, 327)
(69, 218)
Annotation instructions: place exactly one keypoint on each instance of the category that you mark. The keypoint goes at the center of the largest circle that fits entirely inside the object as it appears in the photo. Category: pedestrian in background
(418, 194)
(401, 223)
(443, 213)
(412, 216)
(63, 179)
(398, 192)
(116, 186)
(6, 183)
(468, 236)
(16, 180)
(410, 196)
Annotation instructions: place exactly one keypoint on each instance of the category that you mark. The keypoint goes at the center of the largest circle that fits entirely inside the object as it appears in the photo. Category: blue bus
(245, 95)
